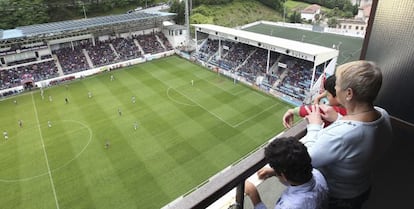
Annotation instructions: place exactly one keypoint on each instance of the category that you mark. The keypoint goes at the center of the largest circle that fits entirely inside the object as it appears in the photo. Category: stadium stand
(126, 48)
(71, 60)
(101, 53)
(150, 44)
(251, 62)
(52, 50)
(282, 67)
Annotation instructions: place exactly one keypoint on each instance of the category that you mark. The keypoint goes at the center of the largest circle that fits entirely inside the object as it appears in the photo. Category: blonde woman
(346, 151)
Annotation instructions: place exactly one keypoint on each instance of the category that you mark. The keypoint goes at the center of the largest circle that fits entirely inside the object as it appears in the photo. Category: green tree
(332, 22)
(317, 18)
(22, 12)
(343, 8)
(274, 4)
(335, 12)
(210, 2)
(59, 10)
(178, 8)
(347, 14)
(295, 17)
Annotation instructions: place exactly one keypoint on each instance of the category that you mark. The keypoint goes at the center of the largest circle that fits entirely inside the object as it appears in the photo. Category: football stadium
(109, 112)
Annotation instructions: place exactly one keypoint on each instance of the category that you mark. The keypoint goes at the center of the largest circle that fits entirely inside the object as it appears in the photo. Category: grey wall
(391, 45)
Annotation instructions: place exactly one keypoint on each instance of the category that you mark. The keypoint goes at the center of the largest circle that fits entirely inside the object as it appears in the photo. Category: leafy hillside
(235, 14)
(298, 6)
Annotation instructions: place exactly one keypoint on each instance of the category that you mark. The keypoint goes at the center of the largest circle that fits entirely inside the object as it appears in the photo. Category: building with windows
(310, 12)
(356, 26)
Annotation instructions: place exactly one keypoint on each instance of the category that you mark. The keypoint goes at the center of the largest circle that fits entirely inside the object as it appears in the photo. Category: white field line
(45, 154)
(218, 117)
(60, 167)
(214, 84)
(174, 100)
(215, 115)
(251, 117)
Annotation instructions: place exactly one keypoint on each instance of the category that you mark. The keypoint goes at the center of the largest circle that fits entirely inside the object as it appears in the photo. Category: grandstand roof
(315, 53)
(311, 9)
(76, 25)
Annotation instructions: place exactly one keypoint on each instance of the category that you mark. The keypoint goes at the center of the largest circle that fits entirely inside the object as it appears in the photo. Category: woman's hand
(314, 114)
(328, 113)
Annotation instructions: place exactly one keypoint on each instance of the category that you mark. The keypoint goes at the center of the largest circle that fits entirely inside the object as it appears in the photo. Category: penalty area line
(218, 117)
(257, 114)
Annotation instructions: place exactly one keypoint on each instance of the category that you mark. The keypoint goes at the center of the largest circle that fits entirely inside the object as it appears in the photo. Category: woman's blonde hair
(363, 77)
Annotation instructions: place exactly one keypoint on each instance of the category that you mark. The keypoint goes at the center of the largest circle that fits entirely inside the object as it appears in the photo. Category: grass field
(349, 47)
(186, 134)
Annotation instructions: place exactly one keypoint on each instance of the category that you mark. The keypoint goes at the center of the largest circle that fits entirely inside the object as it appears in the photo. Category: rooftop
(77, 25)
(311, 9)
(321, 53)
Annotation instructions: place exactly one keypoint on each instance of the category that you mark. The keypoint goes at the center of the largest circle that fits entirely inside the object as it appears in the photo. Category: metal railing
(230, 178)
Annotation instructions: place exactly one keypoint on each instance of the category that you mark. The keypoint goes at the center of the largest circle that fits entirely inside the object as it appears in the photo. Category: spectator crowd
(77, 56)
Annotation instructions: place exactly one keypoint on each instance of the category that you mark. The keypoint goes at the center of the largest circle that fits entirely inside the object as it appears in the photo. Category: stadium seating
(243, 59)
(126, 48)
(250, 62)
(78, 56)
(71, 60)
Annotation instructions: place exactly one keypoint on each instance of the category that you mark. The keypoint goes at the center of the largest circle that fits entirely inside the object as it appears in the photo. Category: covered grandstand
(288, 69)
(53, 50)
(278, 65)
(117, 23)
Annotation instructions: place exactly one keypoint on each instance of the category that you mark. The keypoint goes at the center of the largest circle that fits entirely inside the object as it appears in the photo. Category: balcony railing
(230, 178)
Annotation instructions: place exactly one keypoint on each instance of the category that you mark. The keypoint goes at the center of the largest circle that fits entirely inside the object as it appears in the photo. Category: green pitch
(349, 47)
(186, 133)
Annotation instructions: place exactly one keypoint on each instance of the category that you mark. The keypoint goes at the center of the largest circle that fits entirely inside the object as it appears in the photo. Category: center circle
(58, 158)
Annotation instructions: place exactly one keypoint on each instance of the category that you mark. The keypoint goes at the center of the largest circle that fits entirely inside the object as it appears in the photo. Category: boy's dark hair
(289, 156)
(329, 85)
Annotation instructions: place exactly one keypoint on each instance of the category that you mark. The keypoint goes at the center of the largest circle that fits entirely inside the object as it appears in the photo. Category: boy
(330, 92)
(290, 162)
